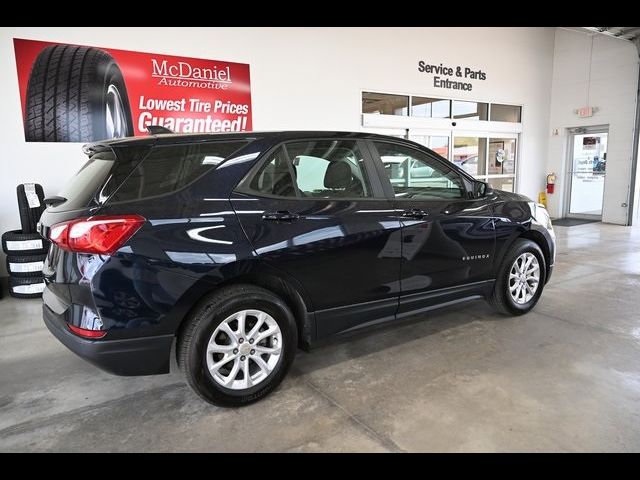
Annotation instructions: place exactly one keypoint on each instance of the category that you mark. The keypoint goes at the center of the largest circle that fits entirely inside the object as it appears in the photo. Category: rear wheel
(521, 278)
(237, 345)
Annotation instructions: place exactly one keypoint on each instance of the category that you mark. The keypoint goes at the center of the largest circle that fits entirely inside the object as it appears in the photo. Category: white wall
(303, 78)
(611, 87)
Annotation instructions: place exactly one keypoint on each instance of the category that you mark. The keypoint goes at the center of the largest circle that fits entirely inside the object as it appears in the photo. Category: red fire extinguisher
(551, 182)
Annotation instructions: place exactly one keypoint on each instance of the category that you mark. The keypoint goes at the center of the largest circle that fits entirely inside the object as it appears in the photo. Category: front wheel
(521, 278)
(238, 345)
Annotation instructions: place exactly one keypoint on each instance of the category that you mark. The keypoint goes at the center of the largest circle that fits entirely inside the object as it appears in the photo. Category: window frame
(445, 164)
(375, 183)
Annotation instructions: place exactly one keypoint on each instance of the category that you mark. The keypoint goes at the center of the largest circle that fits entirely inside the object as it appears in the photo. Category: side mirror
(479, 189)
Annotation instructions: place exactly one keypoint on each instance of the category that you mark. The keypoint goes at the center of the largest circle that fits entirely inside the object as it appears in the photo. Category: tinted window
(80, 190)
(168, 169)
(414, 174)
(318, 169)
(329, 168)
(274, 177)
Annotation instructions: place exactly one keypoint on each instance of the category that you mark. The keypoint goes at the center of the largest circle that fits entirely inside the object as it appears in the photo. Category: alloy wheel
(524, 278)
(244, 349)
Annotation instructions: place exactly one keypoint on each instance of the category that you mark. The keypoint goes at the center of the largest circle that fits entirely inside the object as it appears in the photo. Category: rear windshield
(125, 177)
(80, 190)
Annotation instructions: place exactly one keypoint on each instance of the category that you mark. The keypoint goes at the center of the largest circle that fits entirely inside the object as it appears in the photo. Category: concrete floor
(565, 377)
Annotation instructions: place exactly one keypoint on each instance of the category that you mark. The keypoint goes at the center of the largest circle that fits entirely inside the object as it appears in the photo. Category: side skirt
(351, 318)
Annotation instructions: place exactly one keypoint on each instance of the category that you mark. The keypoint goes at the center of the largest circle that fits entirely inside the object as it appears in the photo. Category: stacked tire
(25, 248)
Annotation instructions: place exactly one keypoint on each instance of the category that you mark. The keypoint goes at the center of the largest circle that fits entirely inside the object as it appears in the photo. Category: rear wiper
(53, 201)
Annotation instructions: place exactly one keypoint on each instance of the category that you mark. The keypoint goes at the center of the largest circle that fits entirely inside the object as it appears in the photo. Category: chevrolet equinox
(243, 247)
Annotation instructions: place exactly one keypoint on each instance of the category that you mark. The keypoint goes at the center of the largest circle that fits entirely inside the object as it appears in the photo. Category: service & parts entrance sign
(73, 93)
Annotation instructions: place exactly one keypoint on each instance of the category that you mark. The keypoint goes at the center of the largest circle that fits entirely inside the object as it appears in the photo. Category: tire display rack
(25, 248)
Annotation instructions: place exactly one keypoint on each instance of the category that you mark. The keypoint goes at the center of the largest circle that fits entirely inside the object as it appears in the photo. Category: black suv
(243, 247)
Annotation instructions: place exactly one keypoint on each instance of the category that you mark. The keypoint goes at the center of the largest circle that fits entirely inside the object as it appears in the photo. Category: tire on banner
(30, 205)
(25, 265)
(76, 94)
(14, 242)
(31, 287)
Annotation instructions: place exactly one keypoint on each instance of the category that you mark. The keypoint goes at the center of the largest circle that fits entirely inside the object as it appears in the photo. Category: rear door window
(313, 168)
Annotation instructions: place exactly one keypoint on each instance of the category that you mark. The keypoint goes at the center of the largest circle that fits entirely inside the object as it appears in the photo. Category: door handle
(414, 213)
(280, 216)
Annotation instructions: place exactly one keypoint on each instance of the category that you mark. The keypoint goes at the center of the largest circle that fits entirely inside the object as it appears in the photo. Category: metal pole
(636, 138)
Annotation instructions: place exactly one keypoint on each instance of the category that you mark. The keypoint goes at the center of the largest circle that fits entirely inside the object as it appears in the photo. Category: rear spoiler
(157, 129)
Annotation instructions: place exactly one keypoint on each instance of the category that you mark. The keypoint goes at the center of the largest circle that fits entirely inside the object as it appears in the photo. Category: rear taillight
(83, 332)
(101, 234)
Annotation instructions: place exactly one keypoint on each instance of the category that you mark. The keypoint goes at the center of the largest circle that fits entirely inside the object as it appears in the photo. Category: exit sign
(585, 112)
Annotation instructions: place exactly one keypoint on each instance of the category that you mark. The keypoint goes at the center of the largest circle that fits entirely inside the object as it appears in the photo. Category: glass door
(438, 141)
(490, 157)
(588, 168)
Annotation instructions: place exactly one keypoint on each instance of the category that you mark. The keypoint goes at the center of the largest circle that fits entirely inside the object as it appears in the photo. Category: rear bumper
(128, 357)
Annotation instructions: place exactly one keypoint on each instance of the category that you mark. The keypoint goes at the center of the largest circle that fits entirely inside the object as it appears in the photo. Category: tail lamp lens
(100, 234)
(83, 332)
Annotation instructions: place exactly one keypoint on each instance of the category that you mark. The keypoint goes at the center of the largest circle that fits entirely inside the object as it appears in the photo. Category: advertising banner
(73, 93)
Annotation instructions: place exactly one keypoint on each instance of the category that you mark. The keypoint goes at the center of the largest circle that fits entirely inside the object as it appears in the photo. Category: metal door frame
(595, 129)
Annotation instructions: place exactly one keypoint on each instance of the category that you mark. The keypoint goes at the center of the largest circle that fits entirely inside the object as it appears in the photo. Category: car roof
(281, 135)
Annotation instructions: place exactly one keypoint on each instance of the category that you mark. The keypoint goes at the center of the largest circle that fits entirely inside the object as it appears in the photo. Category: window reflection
(437, 143)
(502, 156)
(469, 153)
(430, 107)
(385, 104)
(505, 113)
(505, 183)
(469, 110)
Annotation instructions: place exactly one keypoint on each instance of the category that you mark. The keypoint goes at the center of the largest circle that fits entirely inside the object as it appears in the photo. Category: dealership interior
(548, 113)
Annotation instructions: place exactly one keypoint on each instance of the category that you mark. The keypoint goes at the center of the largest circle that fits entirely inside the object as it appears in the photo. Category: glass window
(274, 177)
(171, 168)
(469, 153)
(505, 113)
(469, 110)
(502, 156)
(505, 184)
(437, 143)
(329, 168)
(414, 174)
(385, 104)
(430, 107)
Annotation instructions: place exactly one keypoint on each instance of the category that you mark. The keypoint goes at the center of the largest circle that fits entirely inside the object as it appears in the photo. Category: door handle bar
(280, 216)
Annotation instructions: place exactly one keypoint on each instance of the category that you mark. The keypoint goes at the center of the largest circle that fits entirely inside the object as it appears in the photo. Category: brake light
(83, 332)
(101, 234)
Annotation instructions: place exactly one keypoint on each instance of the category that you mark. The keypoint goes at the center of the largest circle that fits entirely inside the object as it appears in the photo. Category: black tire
(25, 266)
(500, 298)
(67, 95)
(26, 287)
(200, 326)
(14, 242)
(30, 216)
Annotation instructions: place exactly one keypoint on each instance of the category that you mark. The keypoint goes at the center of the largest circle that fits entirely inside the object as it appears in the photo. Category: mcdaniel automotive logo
(475, 257)
(183, 74)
